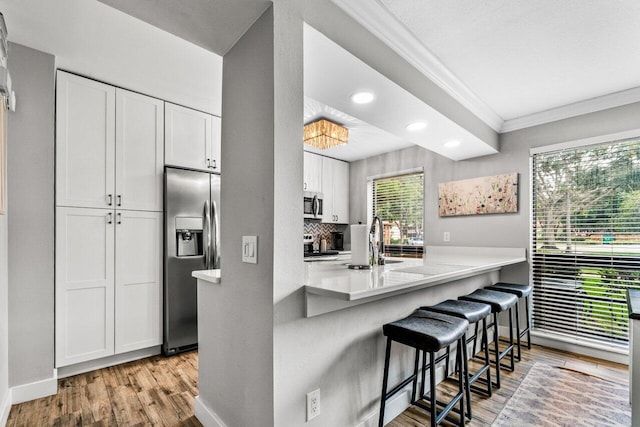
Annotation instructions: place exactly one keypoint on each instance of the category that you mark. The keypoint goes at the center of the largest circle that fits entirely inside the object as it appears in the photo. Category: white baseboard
(5, 408)
(34, 390)
(206, 415)
(105, 362)
(573, 345)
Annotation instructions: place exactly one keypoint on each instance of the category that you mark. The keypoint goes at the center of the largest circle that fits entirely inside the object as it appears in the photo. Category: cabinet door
(84, 284)
(216, 144)
(312, 172)
(85, 140)
(187, 137)
(139, 151)
(327, 190)
(340, 191)
(138, 284)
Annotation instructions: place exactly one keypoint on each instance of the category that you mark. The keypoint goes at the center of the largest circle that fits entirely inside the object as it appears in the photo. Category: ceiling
(332, 75)
(212, 24)
(510, 59)
(513, 63)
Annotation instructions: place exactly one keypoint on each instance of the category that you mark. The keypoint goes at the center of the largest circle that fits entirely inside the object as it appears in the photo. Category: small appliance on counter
(313, 248)
(337, 240)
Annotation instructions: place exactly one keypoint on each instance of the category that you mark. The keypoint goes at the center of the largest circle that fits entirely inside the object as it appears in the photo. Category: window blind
(399, 202)
(586, 240)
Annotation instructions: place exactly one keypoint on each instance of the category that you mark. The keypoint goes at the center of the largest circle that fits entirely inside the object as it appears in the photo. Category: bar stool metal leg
(385, 380)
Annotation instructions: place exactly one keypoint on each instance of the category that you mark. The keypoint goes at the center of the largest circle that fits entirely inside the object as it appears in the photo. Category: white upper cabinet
(85, 142)
(109, 150)
(139, 151)
(84, 284)
(192, 138)
(312, 172)
(335, 186)
(138, 280)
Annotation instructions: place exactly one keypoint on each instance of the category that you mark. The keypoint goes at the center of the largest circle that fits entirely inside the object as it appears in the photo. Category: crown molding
(373, 16)
(592, 105)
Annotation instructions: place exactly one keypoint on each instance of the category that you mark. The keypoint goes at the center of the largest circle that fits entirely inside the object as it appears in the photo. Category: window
(399, 202)
(586, 240)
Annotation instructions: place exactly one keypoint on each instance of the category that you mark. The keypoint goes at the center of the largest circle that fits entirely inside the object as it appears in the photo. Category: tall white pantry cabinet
(109, 164)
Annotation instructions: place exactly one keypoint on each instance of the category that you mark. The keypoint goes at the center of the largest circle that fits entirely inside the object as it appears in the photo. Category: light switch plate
(250, 249)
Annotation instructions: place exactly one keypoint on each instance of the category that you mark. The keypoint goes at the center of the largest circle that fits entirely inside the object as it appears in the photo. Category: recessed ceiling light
(363, 97)
(416, 126)
(452, 144)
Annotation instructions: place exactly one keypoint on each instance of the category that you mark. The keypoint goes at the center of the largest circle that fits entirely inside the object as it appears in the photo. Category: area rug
(554, 396)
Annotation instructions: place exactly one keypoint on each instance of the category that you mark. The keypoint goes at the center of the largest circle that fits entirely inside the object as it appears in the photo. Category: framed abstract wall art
(478, 196)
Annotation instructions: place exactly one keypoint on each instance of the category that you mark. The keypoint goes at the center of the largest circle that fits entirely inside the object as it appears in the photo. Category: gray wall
(4, 320)
(31, 211)
(236, 318)
(508, 230)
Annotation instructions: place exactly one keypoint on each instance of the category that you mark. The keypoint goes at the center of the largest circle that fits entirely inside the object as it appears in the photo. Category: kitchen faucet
(378, 252)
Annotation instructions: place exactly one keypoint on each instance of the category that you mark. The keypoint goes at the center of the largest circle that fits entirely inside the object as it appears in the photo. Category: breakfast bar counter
(331, 285)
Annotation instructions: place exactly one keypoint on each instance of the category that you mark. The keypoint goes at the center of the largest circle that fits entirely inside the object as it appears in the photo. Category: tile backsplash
(324, 230)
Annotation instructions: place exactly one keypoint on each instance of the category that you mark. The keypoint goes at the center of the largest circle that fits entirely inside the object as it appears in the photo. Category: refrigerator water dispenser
(189, 236)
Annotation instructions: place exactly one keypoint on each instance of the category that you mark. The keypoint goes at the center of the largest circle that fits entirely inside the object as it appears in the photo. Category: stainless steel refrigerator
(192, 242)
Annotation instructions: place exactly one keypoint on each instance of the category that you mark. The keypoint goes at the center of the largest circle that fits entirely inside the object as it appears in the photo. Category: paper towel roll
(359, 244)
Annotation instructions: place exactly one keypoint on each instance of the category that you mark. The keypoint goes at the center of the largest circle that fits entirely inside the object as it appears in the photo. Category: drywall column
(31, 212)
(5, 401)
(235, 318)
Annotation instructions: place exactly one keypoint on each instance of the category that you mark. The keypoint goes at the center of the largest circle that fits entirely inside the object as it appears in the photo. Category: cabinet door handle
(119, 218)
(109, 199)
(119, 200)
(208, 163)
(215, 166)
(109, 218)
(305, 185)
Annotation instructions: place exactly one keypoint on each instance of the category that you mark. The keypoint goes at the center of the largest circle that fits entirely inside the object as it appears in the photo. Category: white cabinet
(108, 282)
(335, 187)
(312, 172)
(109, 149)
(84, 284)
(138, 280)
(192, 138)
(85, 142)
(109, 191)
(139, 151)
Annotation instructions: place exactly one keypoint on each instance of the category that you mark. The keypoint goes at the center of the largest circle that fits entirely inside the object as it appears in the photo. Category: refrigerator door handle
(206, 228)
(215, 225)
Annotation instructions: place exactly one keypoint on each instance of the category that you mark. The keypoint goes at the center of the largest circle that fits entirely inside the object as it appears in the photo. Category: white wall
(30, 176)
(93, 39)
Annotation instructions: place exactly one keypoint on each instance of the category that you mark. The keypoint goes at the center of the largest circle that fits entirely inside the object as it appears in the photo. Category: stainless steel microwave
(312, 205)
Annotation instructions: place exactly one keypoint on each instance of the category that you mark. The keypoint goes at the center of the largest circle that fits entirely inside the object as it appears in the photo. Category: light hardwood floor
(160, 391)
(153, 391)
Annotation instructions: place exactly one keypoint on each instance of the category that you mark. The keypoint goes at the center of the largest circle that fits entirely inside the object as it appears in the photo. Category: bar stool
(426, 332)
(499, 302)
(521, 291)
(473, 312)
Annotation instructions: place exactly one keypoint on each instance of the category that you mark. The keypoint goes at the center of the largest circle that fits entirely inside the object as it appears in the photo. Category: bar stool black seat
(521, 291)
(427, 332)
(473, 312)
(499, 302)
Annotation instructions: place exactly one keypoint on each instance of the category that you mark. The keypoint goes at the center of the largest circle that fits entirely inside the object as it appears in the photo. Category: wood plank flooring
(486, 409)
(160, 391)
(155, 391)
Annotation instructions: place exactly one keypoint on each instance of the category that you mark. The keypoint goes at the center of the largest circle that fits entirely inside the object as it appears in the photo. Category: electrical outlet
(313, 404)
(447, 236)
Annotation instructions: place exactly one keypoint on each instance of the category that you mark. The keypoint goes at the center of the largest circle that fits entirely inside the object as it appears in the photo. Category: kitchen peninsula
(331, 285)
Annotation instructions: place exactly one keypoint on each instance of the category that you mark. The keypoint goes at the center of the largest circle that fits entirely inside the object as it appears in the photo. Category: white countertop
(441, 264)
(212, 276)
